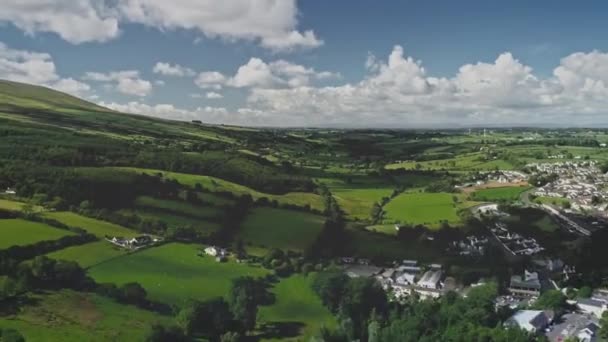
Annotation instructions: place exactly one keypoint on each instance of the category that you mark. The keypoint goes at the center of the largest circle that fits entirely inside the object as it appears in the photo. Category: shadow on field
(278, 330)
(9, 307)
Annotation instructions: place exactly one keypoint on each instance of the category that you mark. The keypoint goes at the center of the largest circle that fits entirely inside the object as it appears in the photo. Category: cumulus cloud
(126, 82)
(270, 23)
(213, 95)
(259, 74)
(36, 68)
(172, 70)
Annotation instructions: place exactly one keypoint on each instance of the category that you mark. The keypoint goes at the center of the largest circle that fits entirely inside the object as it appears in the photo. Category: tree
(242, 302)
(230, 337)
(604, 324)
(552, 300)
(585, 292)
(133, 293)
(161, 333)
(11, 335)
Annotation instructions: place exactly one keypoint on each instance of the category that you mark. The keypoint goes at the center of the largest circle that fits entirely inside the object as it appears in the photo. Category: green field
(217, 185)
(298, 306)
(552, 200)
(509, 193)
(93, 226)
(175, 220)
(18, 232)
(281, 228)
(465, 162)
(181, 208)
(429, 209)
(68, 316)
(358, 203)
(173, 273)
(90, 254)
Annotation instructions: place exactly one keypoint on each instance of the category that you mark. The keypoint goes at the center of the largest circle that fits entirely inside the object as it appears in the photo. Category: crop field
(218, 185)
(173, 273)
(181, 208)
(281, 228)
(304, 311)
(70, 316)
(429, 209)
(18, 232)
(93, 226)
(89, 254)
(510, 193)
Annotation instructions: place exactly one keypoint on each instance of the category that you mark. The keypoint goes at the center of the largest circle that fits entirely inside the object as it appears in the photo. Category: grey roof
(591, 302)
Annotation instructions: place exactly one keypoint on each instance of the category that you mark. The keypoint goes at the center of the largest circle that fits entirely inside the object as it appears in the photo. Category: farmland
(93, 226)
(498, 194)
(72, 317)
(173, 273)
(424, 208)
(304, 311)
(280, 228)
(89, 254)
(17, 232)
(177, 207)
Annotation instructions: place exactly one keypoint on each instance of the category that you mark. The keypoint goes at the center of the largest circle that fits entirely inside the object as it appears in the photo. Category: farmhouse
(531, 321)
(10, 191)
(132, 243)
(216, 251)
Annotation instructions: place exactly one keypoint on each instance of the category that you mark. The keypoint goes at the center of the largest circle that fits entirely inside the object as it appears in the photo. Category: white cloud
(126, 82)
(172, 70)
(36, 68)
(271, 23)
(159, 83)
(213, 95)
(259, 74)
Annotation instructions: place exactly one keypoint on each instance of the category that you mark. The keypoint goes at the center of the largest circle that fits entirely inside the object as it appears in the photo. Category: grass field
(93, 226)
(68, 316)
(281, 228)
(429, 209)
(18, 232)
(175, 220)
(177, 207)
(15, 205)
(465, 162)
(173, 273)
(358, 203)
(365, 244)
(509, 193)
(296, 306)
(90, 254)
(552, 200)
(216, 185)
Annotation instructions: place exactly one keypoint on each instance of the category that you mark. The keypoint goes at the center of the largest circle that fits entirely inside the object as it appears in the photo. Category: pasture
(93, 226)
(214, 184)
(18, 232)
(181, 208)
(285, 229)
(89, 254)
(174, 273)
(358, 203)
(70, 316)
(173, 220)
(297, 310)
(509, 193)
(428, 209)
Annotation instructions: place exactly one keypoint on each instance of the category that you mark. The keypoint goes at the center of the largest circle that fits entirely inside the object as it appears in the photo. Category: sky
(338, 63)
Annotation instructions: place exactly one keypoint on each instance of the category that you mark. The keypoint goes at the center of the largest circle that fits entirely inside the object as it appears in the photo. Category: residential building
(526, 286)
(532, 321)
(593, 306)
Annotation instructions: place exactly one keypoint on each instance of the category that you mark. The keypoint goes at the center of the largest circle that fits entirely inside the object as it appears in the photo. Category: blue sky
(324, 63)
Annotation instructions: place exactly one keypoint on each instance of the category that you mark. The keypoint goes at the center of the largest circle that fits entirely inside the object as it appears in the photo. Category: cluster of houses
(497, 177)
(134, 243)
(403, 279)
(514, 242)
(581, 324)
(580, 182)
(471, 246)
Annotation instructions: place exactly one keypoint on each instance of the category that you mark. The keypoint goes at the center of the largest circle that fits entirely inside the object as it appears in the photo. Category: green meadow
(428, 209)
(510, 193)
(174, 273)
(93, 226)
(296, 305)
(18, 232)
(90, 254)
(69, 316)
(285, 229)
(181, 208)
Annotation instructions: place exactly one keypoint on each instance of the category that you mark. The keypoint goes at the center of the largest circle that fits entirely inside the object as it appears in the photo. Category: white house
(530, 320)
(587, 334)
(10, 191)
(594, 306)
(215, 251)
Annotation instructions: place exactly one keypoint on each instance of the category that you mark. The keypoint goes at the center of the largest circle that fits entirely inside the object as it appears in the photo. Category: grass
(218, 185)
(304, 311)
(93, 226)
(175, 220)
(281, 228)
(509, 193)
(181, 208)
(90, 254)
(358, 203)
(18, 232)
(464, 162)
(428, 209)
(69, 316)
(173, 273)
(11, 205)
(366, 244)
(552, 200)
